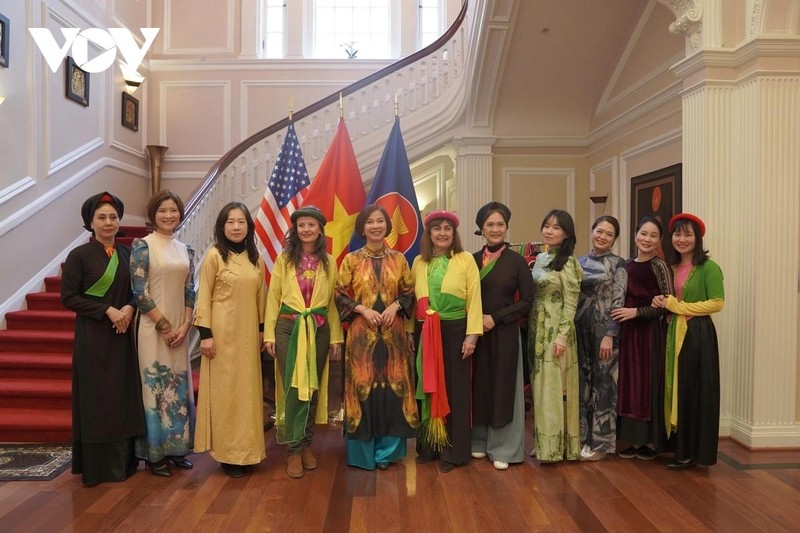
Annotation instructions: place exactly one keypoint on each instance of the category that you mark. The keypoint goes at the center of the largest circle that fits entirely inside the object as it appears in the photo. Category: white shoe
(478, 455)
(500, 465)
(589, 455)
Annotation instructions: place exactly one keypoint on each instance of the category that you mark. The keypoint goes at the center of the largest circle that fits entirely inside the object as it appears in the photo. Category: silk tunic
(230, 410)
(555, 379)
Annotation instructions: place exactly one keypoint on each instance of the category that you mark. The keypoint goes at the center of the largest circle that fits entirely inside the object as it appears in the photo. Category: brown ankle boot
(294, 466)
(308, 459)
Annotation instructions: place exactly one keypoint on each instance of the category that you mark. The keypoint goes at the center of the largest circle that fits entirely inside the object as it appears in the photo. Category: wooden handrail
(228, 158)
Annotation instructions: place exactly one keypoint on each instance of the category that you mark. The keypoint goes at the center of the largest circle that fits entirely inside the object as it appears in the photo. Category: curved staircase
(36, 365)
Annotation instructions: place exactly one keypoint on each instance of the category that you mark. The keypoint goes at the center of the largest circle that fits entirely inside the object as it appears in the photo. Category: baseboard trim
(772, 436)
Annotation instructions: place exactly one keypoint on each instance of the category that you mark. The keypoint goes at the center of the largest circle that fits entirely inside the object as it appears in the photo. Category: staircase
(36, 365)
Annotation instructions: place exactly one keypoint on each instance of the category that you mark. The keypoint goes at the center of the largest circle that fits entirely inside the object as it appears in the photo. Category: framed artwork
(5, 37)
(656, 194)
(77, 81)
(130, 112)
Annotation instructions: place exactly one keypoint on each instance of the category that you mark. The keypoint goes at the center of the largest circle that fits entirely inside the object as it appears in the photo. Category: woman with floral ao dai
(162, 271)
(557, 281)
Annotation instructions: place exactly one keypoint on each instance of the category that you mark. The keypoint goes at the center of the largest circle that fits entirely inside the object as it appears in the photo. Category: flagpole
(395, 105)
(291, 107)
(341, 106)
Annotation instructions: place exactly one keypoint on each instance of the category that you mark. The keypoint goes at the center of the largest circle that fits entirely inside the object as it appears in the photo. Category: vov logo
(108, 41)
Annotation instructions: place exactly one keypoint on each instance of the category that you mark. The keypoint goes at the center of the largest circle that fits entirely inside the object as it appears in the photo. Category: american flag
(284, 194)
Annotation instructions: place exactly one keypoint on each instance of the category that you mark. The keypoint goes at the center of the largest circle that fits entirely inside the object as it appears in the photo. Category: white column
(741, 174)
(251, 28)
(473, 184)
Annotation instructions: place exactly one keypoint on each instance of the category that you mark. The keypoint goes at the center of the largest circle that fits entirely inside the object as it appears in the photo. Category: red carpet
(36, 366)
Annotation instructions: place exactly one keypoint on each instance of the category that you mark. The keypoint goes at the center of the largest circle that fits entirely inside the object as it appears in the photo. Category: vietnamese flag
(337, 190)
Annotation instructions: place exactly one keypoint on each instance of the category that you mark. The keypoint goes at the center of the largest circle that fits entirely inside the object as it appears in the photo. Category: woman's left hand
(335, 352)
(179, 335)
(468, 346)
(389, 314)
(606, 348)
(410, 340)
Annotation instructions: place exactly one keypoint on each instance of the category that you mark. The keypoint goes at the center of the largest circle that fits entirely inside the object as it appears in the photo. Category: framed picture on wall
(5, 37)
(130, 112)
(77, 81)
(656, 194)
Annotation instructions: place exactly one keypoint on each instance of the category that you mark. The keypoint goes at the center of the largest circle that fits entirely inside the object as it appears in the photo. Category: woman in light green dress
(557, 281)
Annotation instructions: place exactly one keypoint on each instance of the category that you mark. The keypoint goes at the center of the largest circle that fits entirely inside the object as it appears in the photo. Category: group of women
(432, 351)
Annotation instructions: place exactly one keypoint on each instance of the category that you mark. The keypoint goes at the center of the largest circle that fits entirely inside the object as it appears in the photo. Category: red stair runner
(36, 366)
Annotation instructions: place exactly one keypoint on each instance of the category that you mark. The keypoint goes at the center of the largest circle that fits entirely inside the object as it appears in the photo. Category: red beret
(442, 215)
(688, 216)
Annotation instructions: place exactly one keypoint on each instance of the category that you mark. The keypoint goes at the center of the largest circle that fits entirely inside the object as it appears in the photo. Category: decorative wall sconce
(133, 83)
(132, 78)
(598, 199)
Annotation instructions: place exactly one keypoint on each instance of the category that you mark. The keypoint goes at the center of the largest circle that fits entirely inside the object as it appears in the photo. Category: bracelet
(163, 325)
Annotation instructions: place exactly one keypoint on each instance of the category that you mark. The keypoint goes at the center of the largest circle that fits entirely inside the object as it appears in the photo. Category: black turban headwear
(92, 203)
(488, 209)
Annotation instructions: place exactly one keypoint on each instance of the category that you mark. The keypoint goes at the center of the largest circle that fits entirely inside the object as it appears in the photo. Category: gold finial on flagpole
(341, 105)
(291, 107)
(395, 105)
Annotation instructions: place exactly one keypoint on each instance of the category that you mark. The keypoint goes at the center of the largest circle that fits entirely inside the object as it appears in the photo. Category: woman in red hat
(449, 320)
(692, 369)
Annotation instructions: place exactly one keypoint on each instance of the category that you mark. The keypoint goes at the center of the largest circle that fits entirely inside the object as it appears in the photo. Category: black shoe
(628, 453)
(445, 467)
(234, 471)
(422, 459)
(681, 465)
(159, 468)
(382, 466)
(645, 453)
(180, 462)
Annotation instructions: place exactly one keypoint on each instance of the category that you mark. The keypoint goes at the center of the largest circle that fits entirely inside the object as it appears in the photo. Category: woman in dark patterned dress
(602, 289)
(498, 407)
(374, 293)
(107, 412)
(640, 401)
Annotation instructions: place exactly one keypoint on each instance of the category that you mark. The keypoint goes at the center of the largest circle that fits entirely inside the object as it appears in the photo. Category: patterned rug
(33, 462)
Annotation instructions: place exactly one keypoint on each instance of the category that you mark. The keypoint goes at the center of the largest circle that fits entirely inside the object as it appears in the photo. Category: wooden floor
(745, 491)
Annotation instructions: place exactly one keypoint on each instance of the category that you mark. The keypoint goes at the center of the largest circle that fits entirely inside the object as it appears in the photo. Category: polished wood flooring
(745, 491)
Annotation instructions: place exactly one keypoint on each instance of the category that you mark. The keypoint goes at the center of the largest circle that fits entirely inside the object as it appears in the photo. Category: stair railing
(429, 84)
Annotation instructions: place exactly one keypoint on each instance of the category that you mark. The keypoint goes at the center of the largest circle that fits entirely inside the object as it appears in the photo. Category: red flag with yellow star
(337, 190)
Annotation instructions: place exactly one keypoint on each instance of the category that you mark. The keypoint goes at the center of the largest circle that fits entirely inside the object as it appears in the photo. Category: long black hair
(293, 248)
(567, 247)
(225, 246)
(699, 255)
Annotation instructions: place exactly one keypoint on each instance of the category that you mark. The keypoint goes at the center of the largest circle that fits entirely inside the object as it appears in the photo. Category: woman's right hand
(558, 350)
(269, 346)
(208, 348)
(372, 317)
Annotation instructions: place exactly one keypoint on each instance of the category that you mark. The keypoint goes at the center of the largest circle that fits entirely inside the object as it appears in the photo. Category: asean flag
(393, 189)
(337, 190)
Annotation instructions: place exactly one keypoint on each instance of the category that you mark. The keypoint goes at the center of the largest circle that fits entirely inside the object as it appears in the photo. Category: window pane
(274, 45)
(366, 22)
